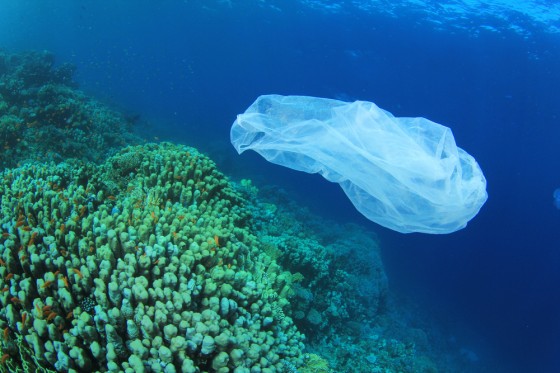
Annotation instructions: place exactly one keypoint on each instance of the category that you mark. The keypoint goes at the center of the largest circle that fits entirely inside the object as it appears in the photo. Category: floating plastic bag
(406, 174)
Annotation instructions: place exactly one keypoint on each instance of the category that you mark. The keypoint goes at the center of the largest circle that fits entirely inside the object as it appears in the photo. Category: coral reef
(147, 259)
(44, 117)
(340, 280)
(351, 352)
(145, 263)
(339, 293)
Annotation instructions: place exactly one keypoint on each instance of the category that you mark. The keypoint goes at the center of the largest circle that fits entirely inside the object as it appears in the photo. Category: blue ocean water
(487, 69)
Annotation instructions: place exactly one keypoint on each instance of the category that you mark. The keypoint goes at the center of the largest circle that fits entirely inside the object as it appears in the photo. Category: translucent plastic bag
(406, 174)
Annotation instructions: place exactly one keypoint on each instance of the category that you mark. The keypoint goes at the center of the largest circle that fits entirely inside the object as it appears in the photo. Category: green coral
(342, 279)
(156, 244)
(314, 364)
(340, 297)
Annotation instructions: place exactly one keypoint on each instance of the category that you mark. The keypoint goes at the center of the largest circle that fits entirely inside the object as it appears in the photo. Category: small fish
(78, 272)
(51, 316)
(32, 239)
(46, 284)
(83, 210)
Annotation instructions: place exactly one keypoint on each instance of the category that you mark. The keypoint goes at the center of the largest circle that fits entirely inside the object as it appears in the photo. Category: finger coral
(144, 263)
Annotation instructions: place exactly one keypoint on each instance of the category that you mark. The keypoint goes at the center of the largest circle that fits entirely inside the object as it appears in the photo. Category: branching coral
(108, 282)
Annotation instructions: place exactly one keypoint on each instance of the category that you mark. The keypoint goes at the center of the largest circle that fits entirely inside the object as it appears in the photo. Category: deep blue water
(191, 67)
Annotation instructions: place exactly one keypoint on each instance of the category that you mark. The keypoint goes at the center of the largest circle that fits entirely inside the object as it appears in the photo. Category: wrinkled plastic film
(406, 174)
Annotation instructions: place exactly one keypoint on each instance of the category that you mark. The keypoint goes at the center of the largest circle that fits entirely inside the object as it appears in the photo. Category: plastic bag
(406, 174)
